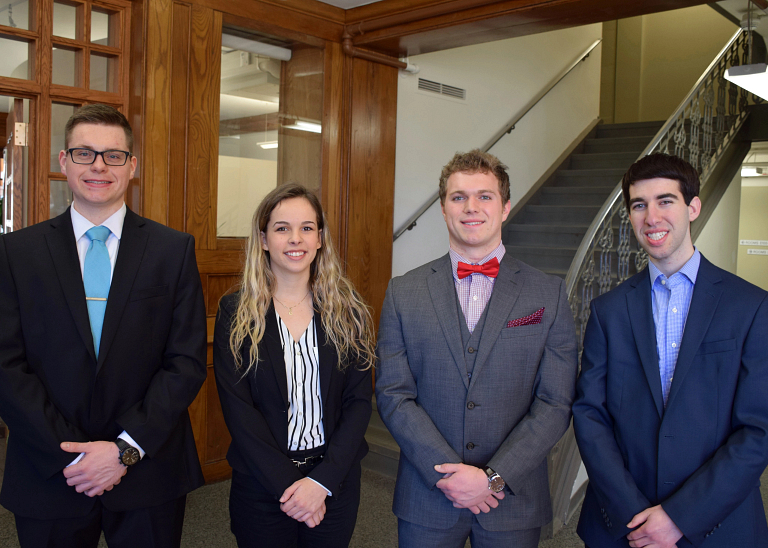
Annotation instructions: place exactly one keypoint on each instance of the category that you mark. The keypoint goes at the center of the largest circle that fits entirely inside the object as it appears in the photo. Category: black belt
(308, 461)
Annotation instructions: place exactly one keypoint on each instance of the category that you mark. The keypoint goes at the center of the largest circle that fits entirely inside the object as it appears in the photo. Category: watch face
(130, 456)
(496, 483)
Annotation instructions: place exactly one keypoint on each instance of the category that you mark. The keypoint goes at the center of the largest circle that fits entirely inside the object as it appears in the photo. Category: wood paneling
(398, 27)
(179, 93)
(217, 439)
(203, 117)
(218, 286)
(371, 179)
(333, 131)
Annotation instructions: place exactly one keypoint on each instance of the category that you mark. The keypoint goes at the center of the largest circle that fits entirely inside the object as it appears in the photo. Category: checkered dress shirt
(474, 291)
(671, 302)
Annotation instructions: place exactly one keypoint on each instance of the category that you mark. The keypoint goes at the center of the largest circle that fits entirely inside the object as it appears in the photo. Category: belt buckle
(307, 460)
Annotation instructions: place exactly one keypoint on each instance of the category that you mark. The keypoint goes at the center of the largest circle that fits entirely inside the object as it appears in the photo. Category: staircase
(383, 452)
(547, 231)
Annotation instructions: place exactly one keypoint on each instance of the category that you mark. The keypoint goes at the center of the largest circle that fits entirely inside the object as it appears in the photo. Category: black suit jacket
(256, 408)
(701, 457)
(151, 365)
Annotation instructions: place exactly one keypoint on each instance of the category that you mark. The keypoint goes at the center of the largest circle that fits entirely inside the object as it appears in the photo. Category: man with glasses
(102, 349)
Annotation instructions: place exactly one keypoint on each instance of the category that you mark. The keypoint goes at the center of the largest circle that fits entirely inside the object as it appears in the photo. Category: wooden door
(13, 169)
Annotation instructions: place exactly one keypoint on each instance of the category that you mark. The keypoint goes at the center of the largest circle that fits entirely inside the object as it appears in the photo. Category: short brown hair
(475, 161)
(103, 115)
(663, 166)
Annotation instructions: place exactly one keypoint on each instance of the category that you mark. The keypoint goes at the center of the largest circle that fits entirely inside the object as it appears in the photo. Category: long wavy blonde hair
(345, 317)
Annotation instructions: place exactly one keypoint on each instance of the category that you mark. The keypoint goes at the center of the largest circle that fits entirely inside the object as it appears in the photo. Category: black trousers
(258, 522)
(153, 527)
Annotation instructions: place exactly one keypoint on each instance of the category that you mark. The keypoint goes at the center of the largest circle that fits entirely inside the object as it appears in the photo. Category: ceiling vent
(442, 89)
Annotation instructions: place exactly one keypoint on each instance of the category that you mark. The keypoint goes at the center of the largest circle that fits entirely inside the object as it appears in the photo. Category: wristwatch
(495, 481)
(129, 455)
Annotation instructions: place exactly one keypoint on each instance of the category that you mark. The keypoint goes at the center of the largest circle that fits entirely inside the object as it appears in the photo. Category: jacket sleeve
(176, 383)
(593, 425)
(24, 402)
(343, 447)
(247, 425)
(529, 442)
(396, 391)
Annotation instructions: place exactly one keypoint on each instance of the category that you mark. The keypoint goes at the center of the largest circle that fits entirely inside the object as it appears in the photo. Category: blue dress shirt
(671, 301)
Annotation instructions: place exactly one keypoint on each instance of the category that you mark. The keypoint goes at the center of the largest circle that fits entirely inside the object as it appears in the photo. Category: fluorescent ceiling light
(268, 144)
(753, 78)
(259, 48)
(306, 126)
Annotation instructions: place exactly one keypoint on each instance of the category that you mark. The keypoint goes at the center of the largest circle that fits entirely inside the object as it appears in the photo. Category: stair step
(589, 196)
(606, 160)
(558, 258)
(629, 130)
(544, 235)
(616, 144)
(563, 214)
(589, 177)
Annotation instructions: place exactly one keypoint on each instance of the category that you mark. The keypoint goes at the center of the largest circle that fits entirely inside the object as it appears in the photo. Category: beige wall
(659, 57)
(753, 225)
(719, 239)
(243, 183)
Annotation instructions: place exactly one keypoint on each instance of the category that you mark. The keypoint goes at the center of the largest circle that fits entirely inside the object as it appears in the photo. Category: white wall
(500, 79)
(718, 241)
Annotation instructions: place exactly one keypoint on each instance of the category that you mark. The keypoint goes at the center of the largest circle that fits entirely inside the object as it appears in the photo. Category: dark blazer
(700, 458)
(52, 389)
(256, 407)
(511, 412)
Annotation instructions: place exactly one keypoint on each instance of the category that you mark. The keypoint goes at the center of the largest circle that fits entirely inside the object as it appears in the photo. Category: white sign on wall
(757, 251)
(763, 243)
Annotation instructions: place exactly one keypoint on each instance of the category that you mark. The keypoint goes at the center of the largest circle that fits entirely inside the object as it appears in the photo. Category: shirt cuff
(130, 441)
(321, 485)
(77, 459)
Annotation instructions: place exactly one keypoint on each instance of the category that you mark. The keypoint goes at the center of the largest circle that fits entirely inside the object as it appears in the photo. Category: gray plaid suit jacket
(521, 388)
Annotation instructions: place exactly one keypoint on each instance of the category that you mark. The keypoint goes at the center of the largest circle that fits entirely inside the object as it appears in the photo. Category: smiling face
(474, 211)
(98, 189)
(662, 222)
(292, 238)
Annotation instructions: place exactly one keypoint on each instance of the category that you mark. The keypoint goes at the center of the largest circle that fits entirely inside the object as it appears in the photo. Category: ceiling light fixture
(267, 144)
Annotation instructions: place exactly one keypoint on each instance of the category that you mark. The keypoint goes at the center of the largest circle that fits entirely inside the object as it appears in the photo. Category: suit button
(471, 405)
(470, 446)
(471, 350)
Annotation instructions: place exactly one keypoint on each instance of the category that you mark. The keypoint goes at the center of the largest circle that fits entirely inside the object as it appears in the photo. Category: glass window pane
(64, 20)
(60, 113)
(104, 27)
(104, 73)
(14, 173)
(66, 67)
(15, 14)
(61, 197)
(14, 60)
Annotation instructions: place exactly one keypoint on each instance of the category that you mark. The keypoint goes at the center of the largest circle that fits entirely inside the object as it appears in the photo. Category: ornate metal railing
(699, 131)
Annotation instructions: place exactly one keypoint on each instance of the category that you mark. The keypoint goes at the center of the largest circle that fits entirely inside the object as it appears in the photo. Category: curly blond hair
(345, 317)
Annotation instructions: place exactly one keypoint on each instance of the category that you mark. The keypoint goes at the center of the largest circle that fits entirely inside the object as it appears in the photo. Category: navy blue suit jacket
(700, 458)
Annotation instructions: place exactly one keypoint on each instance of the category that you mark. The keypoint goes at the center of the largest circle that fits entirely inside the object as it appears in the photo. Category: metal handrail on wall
(411, 222)
(698, 131)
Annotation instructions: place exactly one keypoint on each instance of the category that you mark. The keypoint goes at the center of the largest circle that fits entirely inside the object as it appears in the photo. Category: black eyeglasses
(88, 156)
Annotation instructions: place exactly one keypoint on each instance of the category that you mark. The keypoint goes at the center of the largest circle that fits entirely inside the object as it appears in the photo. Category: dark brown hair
(662, 166)
(103, 115)
(475, 161)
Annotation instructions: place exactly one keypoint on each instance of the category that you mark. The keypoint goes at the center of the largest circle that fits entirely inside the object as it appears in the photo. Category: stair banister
(411, 222)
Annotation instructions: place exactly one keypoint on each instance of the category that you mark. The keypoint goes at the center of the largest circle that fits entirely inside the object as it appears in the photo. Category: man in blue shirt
(671, 414)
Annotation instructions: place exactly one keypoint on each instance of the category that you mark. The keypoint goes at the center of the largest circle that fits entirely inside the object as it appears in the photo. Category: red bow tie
(490, 269)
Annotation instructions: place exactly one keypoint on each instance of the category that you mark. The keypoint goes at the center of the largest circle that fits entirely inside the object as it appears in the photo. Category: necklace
(290, 308)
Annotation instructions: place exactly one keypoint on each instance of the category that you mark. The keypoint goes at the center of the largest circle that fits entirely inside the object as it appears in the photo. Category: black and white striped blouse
(302, 371)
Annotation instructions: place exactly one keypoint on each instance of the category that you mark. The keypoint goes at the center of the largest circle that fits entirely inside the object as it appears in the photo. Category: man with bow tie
(476, 378)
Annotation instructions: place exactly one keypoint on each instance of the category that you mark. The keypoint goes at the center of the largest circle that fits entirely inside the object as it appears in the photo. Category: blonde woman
(293, 353)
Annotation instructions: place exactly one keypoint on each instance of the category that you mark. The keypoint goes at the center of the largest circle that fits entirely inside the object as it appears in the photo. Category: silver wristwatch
(495, 481)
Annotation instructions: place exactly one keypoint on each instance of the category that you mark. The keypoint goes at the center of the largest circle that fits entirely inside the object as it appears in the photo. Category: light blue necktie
(96, 274)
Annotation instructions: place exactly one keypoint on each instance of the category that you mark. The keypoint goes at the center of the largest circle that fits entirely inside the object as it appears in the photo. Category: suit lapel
(274, 348)
(63, 249)
(640, 311)
(133, 243)
(506, 289)
(706, 294)
(326, 356)
(442, 291)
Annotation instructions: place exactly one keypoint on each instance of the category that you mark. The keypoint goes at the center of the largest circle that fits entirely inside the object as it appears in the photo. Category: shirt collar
(689, 270)
(114, 223)
(498, 253)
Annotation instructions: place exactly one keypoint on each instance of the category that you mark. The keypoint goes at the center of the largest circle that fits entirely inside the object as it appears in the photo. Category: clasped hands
(304, 501)
(98, 471)
(467, 487)
(657, 529)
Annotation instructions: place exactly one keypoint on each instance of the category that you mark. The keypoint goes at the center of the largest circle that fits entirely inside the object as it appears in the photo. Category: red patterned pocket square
(527, 320)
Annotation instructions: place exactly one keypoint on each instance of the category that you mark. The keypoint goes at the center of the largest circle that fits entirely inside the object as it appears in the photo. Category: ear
(320, 239)
(134, 160)
(63, 161)
(505, 211)
(694, 208)
(264, 245)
